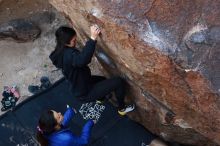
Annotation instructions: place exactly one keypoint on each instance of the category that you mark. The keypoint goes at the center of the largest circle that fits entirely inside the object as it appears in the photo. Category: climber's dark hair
(63, 37)
(46, 126)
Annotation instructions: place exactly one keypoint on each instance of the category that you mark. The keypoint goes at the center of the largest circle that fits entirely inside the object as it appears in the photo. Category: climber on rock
(74, 65)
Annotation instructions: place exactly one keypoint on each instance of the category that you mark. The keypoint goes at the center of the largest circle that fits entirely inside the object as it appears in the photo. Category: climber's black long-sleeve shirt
(75, 67)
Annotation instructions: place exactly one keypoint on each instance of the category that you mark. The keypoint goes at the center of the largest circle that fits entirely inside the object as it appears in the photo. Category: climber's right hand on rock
(95, 31)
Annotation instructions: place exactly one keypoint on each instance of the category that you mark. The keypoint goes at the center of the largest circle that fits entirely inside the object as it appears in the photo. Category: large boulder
(20, 30)
(168, 51)
(42, 17)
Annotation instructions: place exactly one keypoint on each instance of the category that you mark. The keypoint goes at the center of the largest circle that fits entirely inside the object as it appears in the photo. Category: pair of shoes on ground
(127, 109)
(45, 83)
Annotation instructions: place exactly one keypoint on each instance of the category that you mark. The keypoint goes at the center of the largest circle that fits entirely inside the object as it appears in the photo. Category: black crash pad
(19, 125)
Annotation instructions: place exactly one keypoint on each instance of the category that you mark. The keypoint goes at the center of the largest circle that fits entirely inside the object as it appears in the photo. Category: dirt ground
(23, 64)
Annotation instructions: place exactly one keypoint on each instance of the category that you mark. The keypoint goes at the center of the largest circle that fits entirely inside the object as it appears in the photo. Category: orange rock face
(169, 53)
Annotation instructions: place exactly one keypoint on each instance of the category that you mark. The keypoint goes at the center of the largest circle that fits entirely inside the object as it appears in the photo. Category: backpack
(10, 97)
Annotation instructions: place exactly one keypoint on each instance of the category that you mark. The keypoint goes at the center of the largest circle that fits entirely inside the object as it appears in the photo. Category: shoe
(44, 79)
(127, 109)
(34, 89)
(45, 83)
